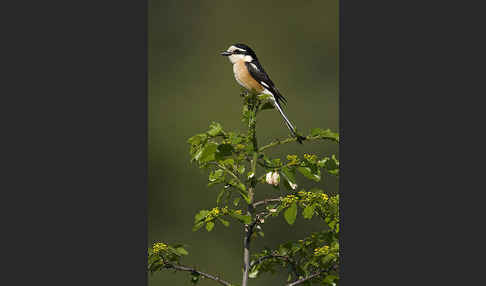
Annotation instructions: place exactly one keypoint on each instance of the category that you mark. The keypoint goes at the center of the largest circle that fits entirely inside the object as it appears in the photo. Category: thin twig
(286, 258)
(266, 201)
(226, 170)
(293, 139)
(193, 270)
(305, 279)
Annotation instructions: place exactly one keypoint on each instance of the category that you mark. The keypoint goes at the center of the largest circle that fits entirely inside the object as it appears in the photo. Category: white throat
(238, 57)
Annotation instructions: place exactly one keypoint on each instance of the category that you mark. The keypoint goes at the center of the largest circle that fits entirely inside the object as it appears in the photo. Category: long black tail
(288, 123)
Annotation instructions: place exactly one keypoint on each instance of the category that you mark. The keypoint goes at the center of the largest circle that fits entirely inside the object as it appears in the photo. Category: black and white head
(238, 52)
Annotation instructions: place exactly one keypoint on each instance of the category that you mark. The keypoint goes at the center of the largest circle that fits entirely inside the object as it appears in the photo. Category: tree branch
(305, 279)
(266, 201)
(286, 258)
(253, 107)
(193, 270)
(293, 139)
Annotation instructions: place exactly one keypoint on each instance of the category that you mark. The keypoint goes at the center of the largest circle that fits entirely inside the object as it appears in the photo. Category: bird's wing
(257, 72)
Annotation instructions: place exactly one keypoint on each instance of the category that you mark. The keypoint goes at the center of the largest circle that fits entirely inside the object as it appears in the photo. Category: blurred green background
(190, 85)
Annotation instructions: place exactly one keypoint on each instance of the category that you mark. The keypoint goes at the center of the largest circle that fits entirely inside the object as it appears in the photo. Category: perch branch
(305, 279)
(193, 270)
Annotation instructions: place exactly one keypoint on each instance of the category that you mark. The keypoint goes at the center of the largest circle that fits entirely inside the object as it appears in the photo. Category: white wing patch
(255, 67)
(264, 84)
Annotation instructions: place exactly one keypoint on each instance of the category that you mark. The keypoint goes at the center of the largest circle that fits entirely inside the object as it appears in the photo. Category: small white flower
(272, 178)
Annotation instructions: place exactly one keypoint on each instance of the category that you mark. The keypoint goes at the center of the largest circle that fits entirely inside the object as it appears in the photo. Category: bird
(250, 74)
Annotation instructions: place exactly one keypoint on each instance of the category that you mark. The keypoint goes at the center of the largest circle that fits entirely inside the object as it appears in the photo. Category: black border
(76, 200)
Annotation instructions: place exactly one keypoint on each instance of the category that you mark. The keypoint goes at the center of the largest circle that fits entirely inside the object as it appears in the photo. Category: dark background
(190, 85)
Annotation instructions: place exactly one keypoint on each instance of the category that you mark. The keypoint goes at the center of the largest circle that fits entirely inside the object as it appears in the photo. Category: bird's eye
(236, 52)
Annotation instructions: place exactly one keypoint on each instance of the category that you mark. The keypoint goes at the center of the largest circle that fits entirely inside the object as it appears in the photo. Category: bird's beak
(226, 53)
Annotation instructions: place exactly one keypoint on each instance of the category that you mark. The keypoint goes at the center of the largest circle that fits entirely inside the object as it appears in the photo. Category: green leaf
(264, 96)
(207, 153)
(308, 211)
(209, 226)
(197, 139)
(291, 213)
(235, 138)
(201, 215)
(328, 258)
(253, 274)
(216, 175)
(288, 174)
(241, 169)
(220, 196)
(224, 222)
(240, 186)
(236, 202)
(246, 219)
(244, 195)
(307, 172)
(181, 251)
(330, 279)
(215, 129)
(267, 105)
(325, 134)
(197, 226)
(224, 150)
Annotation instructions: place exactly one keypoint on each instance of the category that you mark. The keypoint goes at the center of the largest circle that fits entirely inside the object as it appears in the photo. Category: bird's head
(238, 52)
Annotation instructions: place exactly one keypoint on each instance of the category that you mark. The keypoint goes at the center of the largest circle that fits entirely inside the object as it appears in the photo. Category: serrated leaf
(209, 226)
(291, 213)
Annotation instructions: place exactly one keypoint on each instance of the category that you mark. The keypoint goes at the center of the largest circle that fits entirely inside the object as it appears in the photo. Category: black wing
(259, 74)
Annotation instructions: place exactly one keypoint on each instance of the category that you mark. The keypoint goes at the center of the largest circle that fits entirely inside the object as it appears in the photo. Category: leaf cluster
(162, 255)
